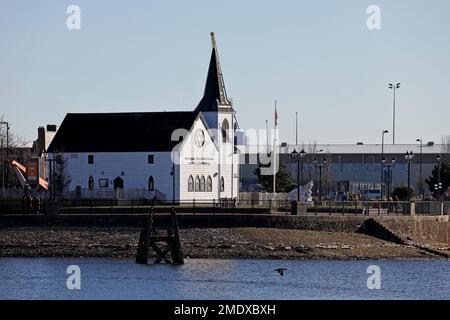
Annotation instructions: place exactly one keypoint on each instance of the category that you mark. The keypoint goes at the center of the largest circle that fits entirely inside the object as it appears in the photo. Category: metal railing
(231, 206)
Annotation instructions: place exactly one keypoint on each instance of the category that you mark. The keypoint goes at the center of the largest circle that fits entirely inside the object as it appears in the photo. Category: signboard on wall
(33, 170)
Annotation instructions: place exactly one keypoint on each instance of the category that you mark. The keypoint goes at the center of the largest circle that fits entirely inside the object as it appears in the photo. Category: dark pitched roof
(215, 92)
(120, 132)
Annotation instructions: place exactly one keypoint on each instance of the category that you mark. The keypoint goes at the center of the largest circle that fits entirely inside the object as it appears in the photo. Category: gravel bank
(257, 243)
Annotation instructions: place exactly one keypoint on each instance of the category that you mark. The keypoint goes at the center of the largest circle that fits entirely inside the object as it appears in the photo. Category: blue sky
(317, 58)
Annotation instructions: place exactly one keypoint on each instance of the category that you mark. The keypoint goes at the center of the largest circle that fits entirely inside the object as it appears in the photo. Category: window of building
(197, 183)
(91, 183)
(90, 159)
(151, 158)
(151, 184)
(209, 184)
(202, 184)
(103, 183)
(191, 184)
(222, 184)
(225, 131)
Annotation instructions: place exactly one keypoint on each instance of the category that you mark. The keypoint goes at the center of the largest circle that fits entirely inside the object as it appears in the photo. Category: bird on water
(280, 271)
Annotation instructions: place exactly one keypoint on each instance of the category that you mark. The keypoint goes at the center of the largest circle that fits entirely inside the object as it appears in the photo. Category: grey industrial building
(358, 166)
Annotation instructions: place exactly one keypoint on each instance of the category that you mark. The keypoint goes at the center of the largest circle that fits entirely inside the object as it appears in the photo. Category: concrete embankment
(434, 229)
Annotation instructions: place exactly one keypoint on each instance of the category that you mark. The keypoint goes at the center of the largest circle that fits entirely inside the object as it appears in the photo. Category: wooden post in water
(150, 237)
(176, 252)
(144, 241)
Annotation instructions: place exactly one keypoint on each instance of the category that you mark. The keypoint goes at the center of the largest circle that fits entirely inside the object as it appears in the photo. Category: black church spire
(215, 95)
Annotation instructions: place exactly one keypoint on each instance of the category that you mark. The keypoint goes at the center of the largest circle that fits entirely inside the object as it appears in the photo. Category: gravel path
(258, 243)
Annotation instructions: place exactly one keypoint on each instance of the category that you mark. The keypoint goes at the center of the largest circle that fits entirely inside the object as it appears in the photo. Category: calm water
(26, 278)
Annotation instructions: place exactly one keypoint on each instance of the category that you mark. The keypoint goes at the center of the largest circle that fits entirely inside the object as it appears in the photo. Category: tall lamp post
(294, 155)
(320, 165)
(409, 156)
(438, 186)
(390, 173)
(382, 163)
(420, 169)
(299, 157)
(394, 88)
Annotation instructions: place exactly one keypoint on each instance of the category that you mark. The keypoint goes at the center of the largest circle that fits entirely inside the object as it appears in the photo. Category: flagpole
(274, 151)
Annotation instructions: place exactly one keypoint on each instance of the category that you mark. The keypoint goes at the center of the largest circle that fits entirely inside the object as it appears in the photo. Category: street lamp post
(390, 175)
(294, 155)
(420, 169)
(299, 155)
(320, 165)
(302, 155)
(438, 186)
(394, 88)
(382, 163)
(408, 157)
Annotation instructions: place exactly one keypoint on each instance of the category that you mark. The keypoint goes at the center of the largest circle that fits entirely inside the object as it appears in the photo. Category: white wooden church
(167, 155)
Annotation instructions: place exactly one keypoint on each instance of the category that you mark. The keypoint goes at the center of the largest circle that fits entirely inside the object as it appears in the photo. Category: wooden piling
(150, 237)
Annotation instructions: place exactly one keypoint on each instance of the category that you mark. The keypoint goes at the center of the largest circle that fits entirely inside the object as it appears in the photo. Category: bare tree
(445, 141)
(13, 147)
(61, 179)
(311, 152)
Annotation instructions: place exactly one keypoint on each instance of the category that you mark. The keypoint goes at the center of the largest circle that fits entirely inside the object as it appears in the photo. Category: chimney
(40, 143)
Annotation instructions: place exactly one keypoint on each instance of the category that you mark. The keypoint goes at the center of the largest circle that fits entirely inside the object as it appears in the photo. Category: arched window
(118, 183)
(209, 184)
(222, 184)
(225, 131)
(202, 184)
(191, 184)
(151, 184)
(197, 183)
(91, 183)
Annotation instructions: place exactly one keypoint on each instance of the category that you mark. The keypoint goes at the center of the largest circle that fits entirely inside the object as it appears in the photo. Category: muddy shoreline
(223, 243)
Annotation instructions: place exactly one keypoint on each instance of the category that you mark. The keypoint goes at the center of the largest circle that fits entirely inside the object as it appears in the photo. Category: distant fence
(231, 206)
